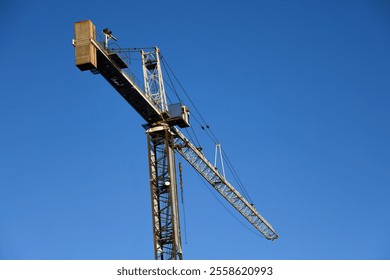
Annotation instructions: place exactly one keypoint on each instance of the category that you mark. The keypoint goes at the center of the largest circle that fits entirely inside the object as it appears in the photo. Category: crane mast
(163, 189)
(163, 138)
(162, 169)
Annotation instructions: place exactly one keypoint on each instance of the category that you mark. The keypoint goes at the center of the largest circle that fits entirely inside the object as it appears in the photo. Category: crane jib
(208, 171)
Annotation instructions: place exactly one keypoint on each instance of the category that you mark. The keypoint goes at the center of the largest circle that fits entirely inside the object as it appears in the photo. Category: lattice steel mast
(163, 186)
(163, 138)
(163, 189)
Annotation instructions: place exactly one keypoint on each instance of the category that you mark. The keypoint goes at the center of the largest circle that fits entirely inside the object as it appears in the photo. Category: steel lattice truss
(211, 174)
(164, 196)
(154, 86)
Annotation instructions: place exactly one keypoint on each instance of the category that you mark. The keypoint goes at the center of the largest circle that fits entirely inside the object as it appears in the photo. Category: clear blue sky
(298, 92)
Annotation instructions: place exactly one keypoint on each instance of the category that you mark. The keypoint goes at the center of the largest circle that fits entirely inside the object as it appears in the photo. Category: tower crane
(164, 137)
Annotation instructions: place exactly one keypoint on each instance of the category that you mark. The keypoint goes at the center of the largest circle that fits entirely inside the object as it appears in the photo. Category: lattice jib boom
(212, 175)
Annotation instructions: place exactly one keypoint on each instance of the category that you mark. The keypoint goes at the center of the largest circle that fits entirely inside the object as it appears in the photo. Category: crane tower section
(163, 189)
(162, 169)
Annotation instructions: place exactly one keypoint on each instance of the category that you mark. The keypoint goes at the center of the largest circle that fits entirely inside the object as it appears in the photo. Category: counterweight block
(85, 51)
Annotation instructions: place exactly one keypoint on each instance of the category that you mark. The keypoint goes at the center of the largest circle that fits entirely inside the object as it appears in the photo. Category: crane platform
(117, 60)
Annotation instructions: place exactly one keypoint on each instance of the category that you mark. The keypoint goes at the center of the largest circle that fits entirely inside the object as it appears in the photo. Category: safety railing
(124, 55)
